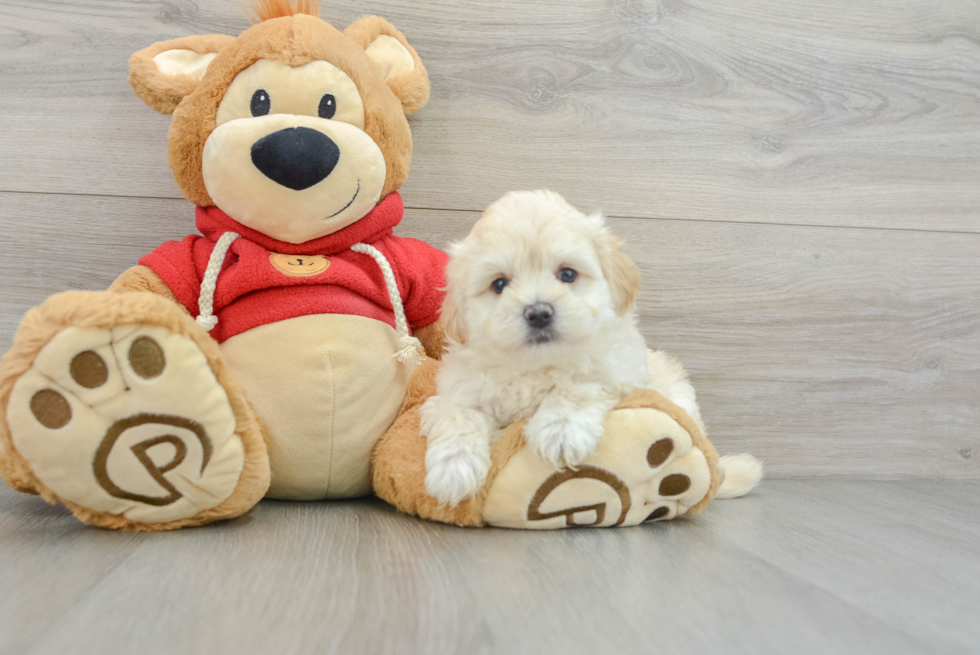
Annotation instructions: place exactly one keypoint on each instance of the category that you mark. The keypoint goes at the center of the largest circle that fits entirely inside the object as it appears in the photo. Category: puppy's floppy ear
(452, 321)
(398, 62)
(597, 219)
(163, 74)
(621, 274)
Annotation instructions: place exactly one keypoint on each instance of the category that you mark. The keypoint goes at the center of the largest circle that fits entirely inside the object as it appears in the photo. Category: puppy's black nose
(539, 315)
(296, 157)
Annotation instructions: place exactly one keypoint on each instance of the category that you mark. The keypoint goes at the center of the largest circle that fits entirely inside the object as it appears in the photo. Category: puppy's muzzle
(539, 315)
(296, 157)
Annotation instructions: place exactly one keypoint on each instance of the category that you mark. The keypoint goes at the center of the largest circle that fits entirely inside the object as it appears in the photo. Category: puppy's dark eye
(328, 106)
(499, 284)
(567, 275)
(261, 103)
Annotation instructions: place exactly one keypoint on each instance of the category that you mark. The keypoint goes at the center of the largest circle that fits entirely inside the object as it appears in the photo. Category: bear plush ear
(397, 60)
(169, 70)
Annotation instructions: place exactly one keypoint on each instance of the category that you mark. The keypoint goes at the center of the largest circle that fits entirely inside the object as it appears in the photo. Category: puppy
(539, 316)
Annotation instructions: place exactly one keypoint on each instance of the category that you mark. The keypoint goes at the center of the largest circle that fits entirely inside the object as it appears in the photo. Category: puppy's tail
(740, 475)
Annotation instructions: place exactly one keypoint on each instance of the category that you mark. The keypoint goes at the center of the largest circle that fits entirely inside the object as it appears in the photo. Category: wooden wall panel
(834, 352)
(830, 113)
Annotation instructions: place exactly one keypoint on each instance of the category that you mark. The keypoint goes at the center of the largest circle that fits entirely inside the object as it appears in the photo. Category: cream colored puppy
(539, 315)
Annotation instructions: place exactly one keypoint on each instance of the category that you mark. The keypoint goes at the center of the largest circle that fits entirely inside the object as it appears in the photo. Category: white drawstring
(205, 303)
(408, 345)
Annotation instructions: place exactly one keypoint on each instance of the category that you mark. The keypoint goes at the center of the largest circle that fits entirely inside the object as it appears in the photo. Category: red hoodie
(256, 287)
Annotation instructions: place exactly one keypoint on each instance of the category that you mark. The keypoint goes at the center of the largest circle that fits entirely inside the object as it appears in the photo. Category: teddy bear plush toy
(285, 349)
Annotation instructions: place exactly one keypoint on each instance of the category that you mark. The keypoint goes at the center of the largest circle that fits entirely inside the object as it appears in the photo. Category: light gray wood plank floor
(802, 567)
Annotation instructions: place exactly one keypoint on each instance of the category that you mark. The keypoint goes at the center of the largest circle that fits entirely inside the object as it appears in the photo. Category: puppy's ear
(452, 321)
(622, 275)
(166, 72)
(397, 61)
(598, 219)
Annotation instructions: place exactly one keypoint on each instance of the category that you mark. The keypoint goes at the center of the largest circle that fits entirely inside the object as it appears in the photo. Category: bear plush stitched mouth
(349, 203)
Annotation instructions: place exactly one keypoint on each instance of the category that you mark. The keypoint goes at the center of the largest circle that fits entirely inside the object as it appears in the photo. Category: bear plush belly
(327, 387)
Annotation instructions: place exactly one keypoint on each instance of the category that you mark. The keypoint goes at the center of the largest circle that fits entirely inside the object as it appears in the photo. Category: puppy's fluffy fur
(559, 349)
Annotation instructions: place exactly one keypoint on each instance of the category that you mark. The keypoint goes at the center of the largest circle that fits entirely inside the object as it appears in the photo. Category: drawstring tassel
(409, 352)
(409, 347)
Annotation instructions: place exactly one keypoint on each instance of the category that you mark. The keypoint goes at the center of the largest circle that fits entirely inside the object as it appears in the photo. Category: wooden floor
(799, 181)
(798, 567)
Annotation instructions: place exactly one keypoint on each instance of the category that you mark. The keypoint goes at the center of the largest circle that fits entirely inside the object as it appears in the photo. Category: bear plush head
(294, 128)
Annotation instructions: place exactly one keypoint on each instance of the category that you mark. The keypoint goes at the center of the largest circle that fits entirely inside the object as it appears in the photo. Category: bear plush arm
(142, 278)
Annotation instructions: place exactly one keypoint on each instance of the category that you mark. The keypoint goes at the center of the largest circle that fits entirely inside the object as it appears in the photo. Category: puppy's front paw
(455, 471)
(564, 439)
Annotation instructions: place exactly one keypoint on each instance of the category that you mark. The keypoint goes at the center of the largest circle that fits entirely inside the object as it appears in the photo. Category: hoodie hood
(375, 225)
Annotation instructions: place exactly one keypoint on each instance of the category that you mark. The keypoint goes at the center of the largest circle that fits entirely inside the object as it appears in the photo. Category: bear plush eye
(499, 284)
(328, 106)
(261, 103)
(567, 275)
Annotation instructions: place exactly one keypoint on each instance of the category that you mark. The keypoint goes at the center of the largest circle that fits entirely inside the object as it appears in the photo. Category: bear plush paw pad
(129, 421)
(647, 468)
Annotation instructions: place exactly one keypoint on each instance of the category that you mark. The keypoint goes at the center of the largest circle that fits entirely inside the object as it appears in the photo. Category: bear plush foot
(653, 464)
(119, 406)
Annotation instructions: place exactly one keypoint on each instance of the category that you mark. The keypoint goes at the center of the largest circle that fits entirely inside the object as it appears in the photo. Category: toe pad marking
(674, 484)
(147, 358)
(658, 513)
(89, 370)
(660, 451)
(50, 409)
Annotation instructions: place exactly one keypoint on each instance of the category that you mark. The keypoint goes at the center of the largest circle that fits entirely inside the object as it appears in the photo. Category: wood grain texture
(864, 543)
(800, 112)
(794, 567)
(825, 351)
(47, 563)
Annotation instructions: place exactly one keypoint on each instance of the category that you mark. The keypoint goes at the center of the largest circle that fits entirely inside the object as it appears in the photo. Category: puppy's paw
(564, 438)
(455, 471)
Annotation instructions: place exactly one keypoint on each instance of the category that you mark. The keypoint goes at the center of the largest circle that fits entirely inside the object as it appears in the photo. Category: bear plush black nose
(296, 157)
